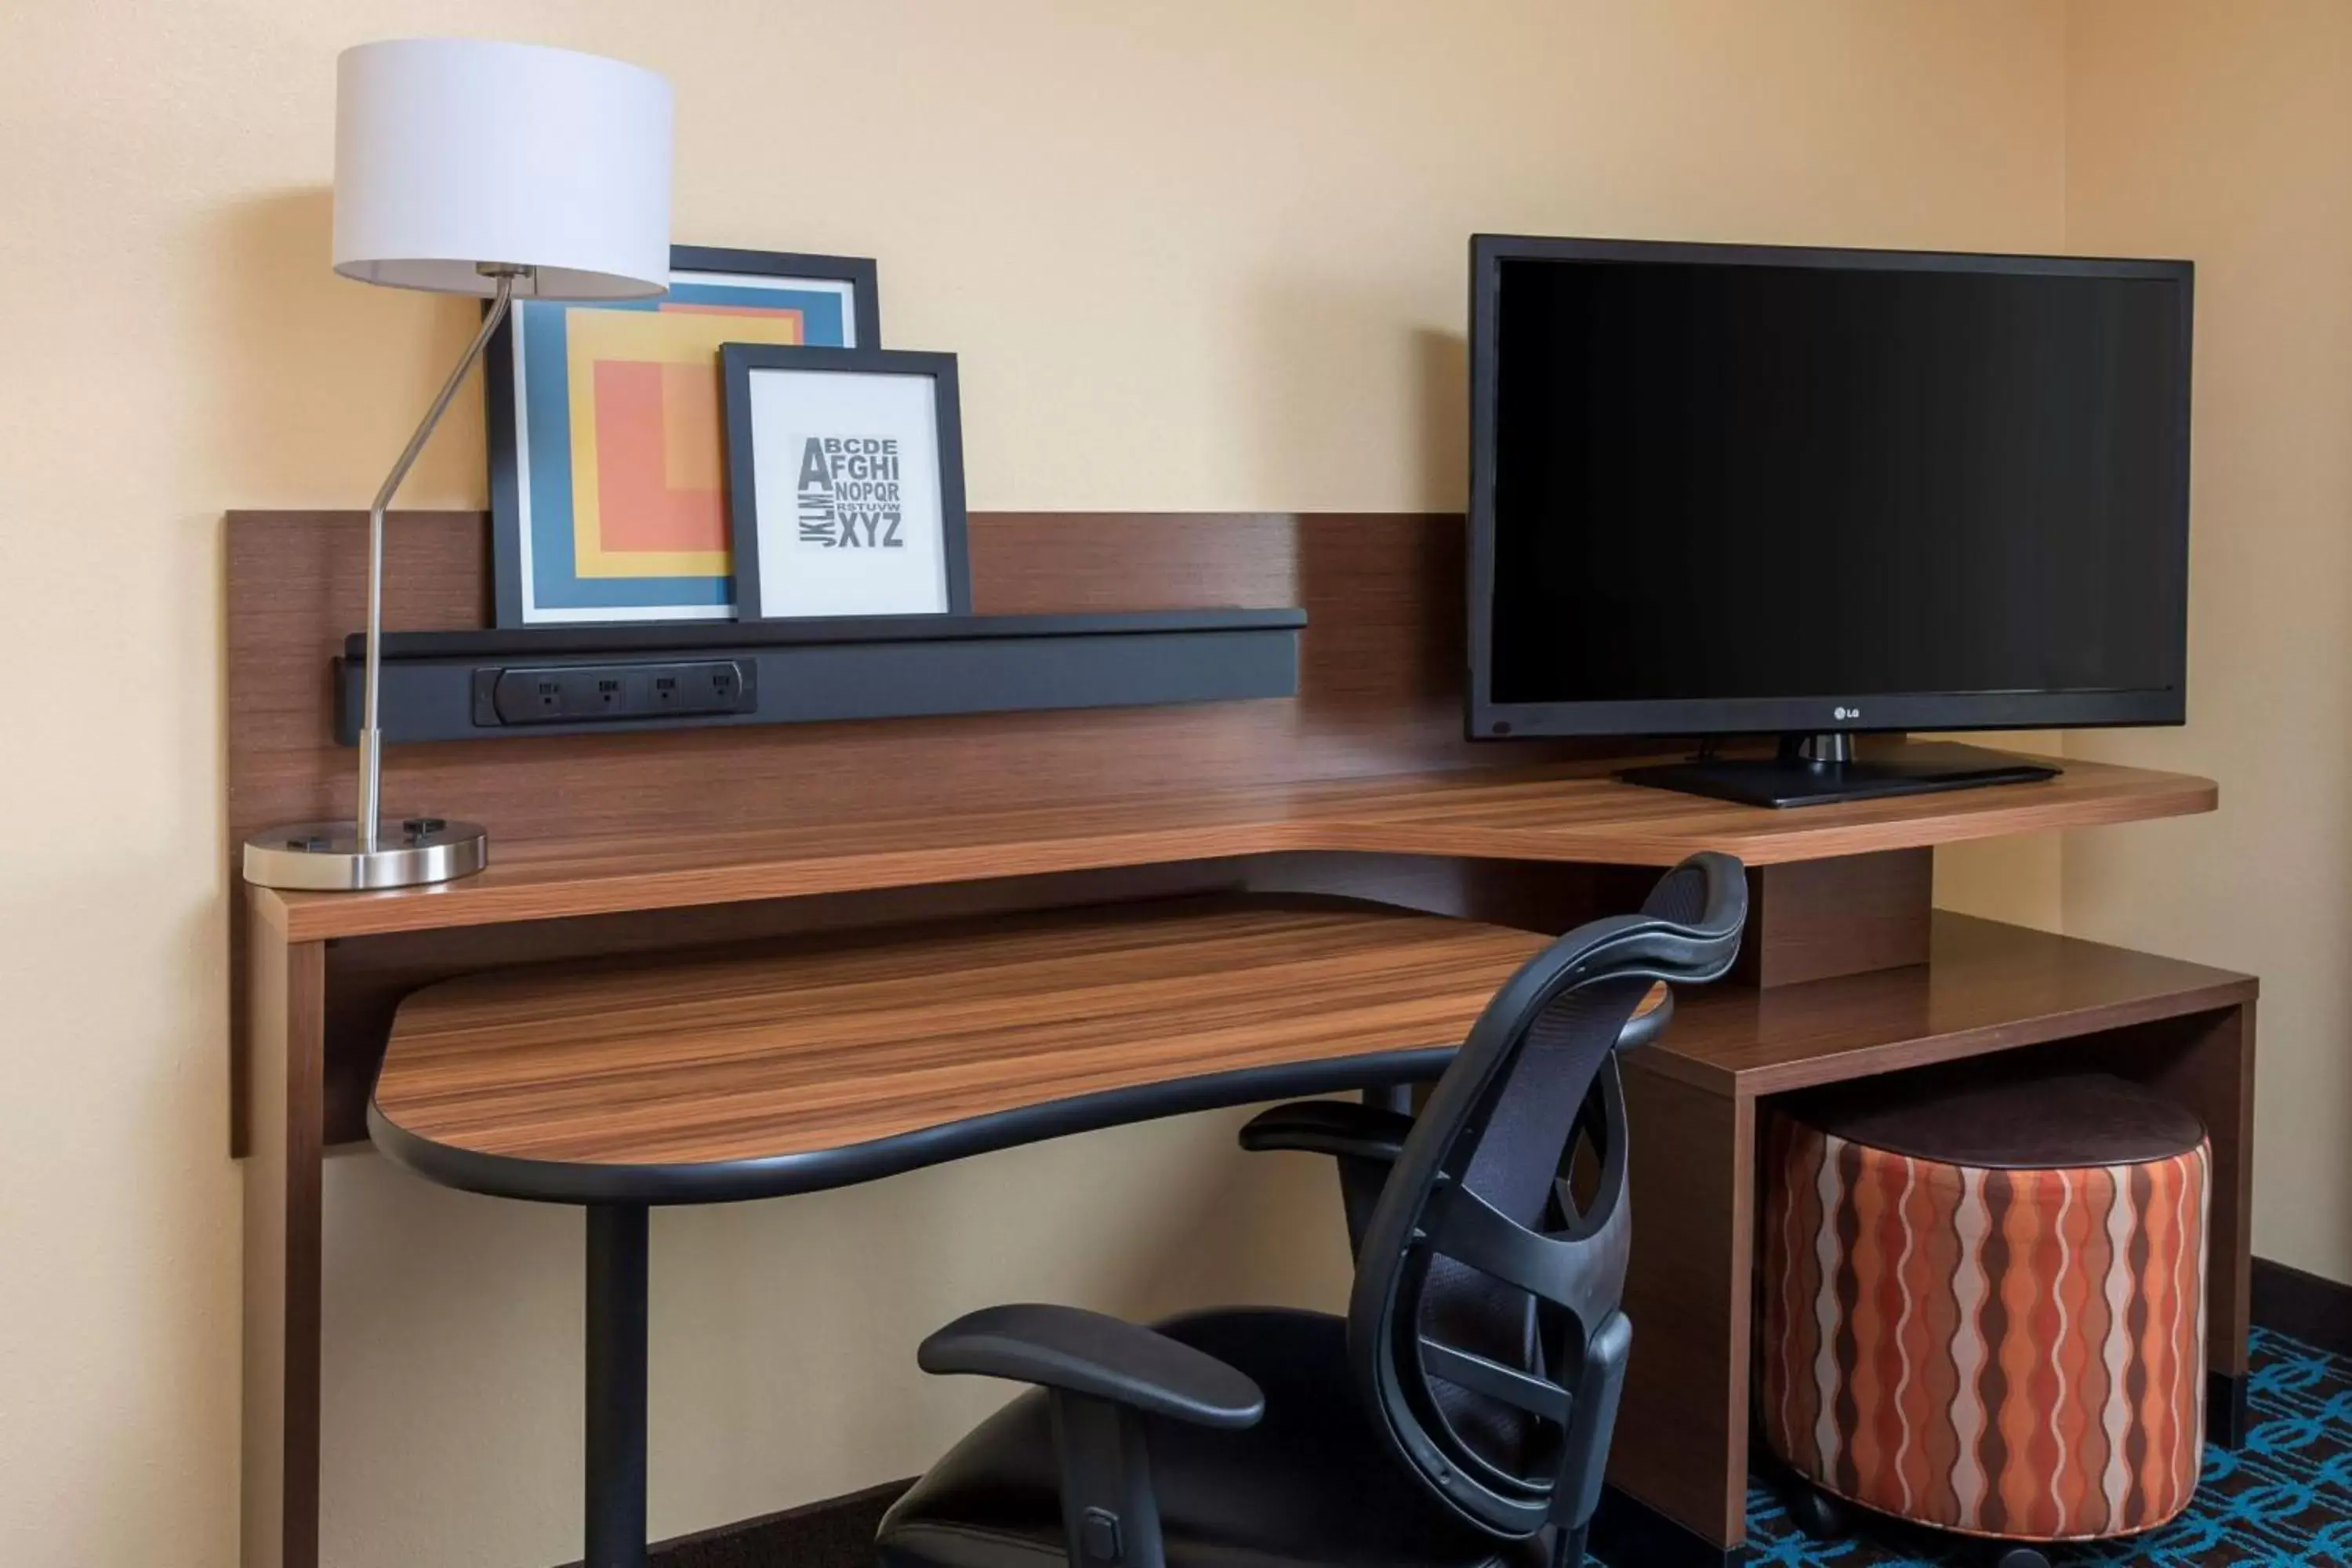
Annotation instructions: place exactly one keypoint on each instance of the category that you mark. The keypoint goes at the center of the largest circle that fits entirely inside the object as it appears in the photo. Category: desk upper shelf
(1559, 814)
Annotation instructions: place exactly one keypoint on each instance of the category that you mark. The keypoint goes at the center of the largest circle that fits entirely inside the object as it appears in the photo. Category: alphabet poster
(847, 474)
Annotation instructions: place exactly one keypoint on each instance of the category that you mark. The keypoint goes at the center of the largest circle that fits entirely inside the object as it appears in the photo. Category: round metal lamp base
(326, 856)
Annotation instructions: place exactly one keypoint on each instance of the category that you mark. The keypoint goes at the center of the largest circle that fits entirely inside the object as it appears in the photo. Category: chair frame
(1403, 1184)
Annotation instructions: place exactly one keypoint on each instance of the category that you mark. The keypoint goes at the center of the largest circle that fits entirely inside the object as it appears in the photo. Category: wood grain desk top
(1568, 813)
(808, 1065)
(1987, 986)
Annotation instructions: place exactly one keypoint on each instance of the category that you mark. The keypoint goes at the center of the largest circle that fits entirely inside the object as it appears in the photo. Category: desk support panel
(1684, 1451)
(285, 1061)
(1816, 919)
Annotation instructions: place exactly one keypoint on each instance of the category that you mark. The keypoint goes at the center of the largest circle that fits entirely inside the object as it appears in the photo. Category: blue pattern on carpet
(2282, 1500)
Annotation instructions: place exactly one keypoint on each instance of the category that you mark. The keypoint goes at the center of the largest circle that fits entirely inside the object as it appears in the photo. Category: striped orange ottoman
(1983, 1309)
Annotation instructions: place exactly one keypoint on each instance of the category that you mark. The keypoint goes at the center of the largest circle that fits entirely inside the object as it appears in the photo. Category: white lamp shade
(452, 153)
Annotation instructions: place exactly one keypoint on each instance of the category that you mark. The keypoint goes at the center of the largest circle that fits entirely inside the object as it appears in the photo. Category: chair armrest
(1089, 1353)
(1649, 1020)
(1330, 1127)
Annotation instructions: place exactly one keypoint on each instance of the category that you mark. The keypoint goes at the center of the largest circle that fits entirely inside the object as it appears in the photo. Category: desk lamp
(497, 170)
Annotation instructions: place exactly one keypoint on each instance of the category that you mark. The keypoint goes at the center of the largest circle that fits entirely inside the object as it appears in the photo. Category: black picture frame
(740, 361)
(507, 478)
(858, 271)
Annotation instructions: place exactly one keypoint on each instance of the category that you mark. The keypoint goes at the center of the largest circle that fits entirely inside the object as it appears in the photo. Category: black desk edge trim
(813, 1171)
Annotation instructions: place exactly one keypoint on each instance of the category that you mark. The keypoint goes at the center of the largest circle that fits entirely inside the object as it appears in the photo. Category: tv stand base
(1817, 770)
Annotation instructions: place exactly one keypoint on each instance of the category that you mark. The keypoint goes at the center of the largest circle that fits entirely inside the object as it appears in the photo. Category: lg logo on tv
(1846, 712)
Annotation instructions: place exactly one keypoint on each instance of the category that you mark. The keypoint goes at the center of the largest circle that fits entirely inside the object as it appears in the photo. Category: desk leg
(2206, 1062)
(2216, 1078)
(284, 1057)
(615, 1479)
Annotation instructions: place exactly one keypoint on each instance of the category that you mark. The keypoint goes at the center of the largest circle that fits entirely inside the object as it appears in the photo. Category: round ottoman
(1983, 1307)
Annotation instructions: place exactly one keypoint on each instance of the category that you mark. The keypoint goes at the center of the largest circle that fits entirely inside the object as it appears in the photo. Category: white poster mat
(846, 472)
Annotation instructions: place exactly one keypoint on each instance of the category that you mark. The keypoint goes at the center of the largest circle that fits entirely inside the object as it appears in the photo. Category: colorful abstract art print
(608, 485)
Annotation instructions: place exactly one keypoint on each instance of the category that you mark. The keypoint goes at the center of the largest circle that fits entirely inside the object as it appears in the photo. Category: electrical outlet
(591, 693)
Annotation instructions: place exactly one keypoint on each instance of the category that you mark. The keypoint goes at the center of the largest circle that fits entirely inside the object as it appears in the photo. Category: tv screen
(1749, 488)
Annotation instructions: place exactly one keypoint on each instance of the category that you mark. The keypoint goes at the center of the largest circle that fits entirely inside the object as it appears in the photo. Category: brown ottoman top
(2019, 1124)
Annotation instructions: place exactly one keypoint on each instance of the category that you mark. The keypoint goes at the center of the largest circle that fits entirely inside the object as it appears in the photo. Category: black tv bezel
(1857, 711)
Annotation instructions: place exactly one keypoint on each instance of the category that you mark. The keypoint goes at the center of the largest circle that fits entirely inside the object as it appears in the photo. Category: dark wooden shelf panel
(1986, 987)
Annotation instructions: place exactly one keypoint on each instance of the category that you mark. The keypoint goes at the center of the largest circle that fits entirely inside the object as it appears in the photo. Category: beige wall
(2224, 134)
(1195, 253)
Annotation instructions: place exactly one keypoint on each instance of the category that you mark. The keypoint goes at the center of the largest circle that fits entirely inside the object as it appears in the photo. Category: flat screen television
(1810, 493)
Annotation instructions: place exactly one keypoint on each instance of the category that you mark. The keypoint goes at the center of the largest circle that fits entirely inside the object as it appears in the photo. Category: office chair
(1459, 1416)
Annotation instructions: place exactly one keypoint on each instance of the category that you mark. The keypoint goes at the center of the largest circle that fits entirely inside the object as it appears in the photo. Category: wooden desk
(652, 844)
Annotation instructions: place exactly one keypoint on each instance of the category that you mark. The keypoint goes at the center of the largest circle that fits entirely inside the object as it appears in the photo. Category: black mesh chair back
(1484, 1329)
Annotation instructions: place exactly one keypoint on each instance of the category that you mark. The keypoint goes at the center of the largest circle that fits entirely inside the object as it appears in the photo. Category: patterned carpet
(2283, 1500)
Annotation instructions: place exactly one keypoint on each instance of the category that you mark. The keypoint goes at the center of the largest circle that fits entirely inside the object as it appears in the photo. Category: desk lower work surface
(783, 1069)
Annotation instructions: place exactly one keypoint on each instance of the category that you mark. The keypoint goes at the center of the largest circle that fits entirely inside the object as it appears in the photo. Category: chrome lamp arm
(351, 857)
(367, 821)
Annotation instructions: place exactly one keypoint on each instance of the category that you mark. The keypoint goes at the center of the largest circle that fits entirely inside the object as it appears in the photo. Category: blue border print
(547, 422)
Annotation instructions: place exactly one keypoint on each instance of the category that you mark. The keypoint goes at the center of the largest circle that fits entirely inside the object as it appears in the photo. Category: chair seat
(1310, 1486)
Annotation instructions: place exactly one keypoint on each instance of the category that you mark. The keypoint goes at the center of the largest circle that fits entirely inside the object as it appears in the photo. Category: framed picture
(607, 472)
(845, 479)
